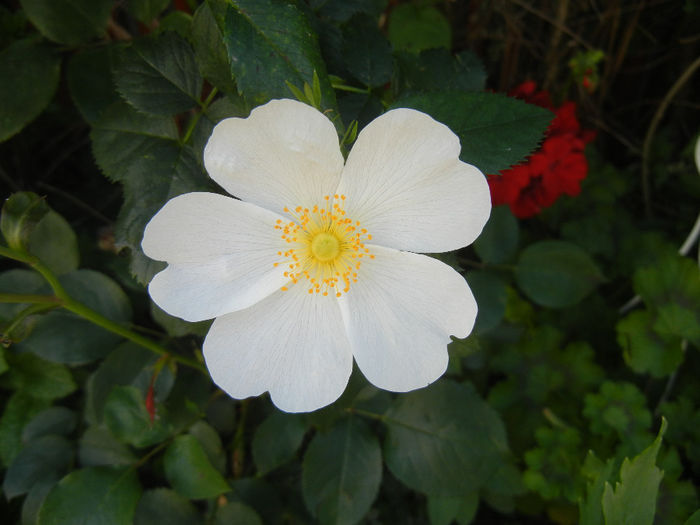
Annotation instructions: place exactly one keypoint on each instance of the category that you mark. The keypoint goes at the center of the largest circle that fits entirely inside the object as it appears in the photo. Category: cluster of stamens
(325, 248)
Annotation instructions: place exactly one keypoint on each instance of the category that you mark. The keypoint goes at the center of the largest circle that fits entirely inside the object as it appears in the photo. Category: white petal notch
(319, 262)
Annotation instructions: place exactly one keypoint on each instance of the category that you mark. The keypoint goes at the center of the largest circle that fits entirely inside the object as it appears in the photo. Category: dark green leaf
(30, 73)
(37, 377)
(159, 75)
(35, 499)
(18, 411)
(341, 472)
(490, 293)
(439, 70)
(89, 78)
(54, 242)
(92, 496)
(166, 507)
(644, 350)
(146, 10)
(21, 213)
(189, 471)
(55, 420)
(70, 22)
(18, 281)
(98, 447)
(499, 239)
(277, 440)
(142, 152)
(672, 279)
(598, 474)
(495, 131)
(211, 444)
(54, 338)
(128, 364)
(343, 10)
(270, 43)
(416, 27)
(694, 519)
(633, 500)
(126, 417)
(444, 440)
(210, 51)
(366, 51)
(443, 511)
(237, 513)
(47, 457)
(556, 274)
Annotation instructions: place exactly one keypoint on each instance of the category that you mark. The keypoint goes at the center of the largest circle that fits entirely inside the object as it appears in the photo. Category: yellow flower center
(325, 248)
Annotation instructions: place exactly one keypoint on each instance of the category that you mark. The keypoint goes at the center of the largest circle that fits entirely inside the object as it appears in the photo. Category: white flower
(315, 264)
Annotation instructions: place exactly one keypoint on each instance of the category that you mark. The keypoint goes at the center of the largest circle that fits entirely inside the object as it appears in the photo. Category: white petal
(291, 344)
(405, 183)
(221, 253)
(284, 154)
(399, 316)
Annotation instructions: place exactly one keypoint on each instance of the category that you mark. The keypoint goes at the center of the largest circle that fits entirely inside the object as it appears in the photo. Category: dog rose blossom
(318, 262)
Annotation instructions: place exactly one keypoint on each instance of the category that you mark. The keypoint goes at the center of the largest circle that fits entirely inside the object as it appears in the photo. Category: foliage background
(105, 110)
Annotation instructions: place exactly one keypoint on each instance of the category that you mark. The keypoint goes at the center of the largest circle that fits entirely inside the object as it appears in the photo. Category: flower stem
(61, 298)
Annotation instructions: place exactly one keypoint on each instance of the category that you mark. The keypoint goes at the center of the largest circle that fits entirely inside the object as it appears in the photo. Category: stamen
(326, 247)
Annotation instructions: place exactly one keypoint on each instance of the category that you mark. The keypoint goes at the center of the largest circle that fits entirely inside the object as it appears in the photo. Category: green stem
(351, 89)
(35, 308)
(193, 123)
(66, 301)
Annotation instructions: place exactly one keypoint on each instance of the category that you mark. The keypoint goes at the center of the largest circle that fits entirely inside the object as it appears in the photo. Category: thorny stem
(61, 298)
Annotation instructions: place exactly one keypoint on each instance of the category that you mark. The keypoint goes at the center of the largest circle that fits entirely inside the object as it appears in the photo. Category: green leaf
(143, 153)
(54, 242)
(343, 10)
(270, 43)
(89, 78)
(37, 377)
(18, 281)
(99, 447)
(633, 501)
(439, 70)
(495, 131)
(556, 274)
(694, 519)
(443, 511)
(92, 496)
(21, 213)
(30, 72)
(210, 51)
(211, 444)
(54, 420)
(671, 279)
(366, 51)
(44, 458)
(159, 75)
(35, 499)
(417, 27)
(491, 295)
(189, 471)
(598, 474)
(644, 350)
(167, 507)
(70, 22)
(277, 440)
(444, 440)
(237, 513)
(499, 239)
(18, 411)
(54, 338)
(146, 10)
(341, 472)
(126, 417)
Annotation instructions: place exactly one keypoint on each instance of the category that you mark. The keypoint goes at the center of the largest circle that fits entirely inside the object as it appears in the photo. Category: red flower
(556, 168)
